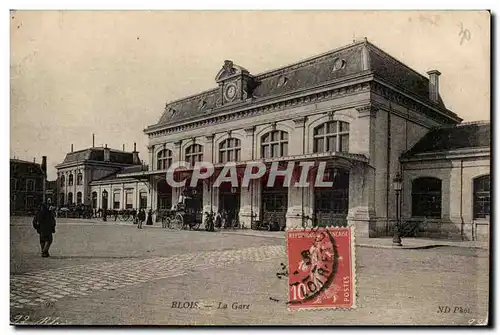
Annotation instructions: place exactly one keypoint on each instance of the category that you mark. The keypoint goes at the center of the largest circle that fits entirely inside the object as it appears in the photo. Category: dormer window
(282, 80)
(339, 64)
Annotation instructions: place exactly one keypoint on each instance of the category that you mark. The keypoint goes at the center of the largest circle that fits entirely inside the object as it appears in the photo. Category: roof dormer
(235, 82)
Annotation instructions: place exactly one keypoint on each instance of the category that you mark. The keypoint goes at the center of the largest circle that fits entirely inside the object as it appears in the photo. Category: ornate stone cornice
(209, 138)
(409, 103)
(177, 143)
(265, 109)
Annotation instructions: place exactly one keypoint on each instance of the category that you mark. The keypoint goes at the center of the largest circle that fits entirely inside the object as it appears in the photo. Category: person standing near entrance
(149, 221)
(45, 225)
(140, 218)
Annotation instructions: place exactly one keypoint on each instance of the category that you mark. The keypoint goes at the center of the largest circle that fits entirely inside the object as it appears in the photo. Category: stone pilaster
(207, 148)
(362, 200)
(247, 146)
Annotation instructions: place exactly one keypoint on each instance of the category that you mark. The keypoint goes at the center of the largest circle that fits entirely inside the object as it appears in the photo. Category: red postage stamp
(321, 267)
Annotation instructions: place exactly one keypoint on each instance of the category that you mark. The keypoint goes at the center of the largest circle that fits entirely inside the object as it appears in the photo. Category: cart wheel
(178, 222)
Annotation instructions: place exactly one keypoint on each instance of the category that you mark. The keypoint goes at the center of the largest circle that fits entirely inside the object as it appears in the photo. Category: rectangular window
(238, 155)
(332, 143)
(284, 149)
(266, 153)
(319, 145)
(30, 185)
(344, 143)
(143, 200)
(13, 184)
(30, 202)
(276, 150)
(116, 200)
(129, 200)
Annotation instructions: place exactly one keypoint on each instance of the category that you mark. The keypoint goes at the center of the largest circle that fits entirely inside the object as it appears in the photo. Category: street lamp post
(397, 184)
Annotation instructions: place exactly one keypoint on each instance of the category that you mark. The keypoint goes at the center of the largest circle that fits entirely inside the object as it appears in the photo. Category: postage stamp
(321, 264)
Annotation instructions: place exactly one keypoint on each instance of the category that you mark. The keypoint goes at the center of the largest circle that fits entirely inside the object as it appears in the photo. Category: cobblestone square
(102, 274)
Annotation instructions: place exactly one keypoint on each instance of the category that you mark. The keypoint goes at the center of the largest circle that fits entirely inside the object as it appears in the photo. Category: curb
(379, 246)
(419, 247)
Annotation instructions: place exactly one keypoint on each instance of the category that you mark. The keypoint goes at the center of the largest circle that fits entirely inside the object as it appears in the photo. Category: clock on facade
(230, 92)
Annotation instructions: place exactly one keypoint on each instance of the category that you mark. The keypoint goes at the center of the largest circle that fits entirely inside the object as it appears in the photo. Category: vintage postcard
(250, 168)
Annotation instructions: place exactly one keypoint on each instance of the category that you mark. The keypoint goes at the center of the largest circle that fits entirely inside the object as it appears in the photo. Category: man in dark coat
(141, 217)
(45, 225)
(149, 221)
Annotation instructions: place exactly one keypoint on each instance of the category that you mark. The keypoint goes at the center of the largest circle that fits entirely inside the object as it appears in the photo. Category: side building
(80, 169)
(27, 185)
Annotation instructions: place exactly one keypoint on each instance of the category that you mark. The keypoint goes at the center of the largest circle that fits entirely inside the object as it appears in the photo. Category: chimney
(34, 160)
(123, 147)
(434, 85)
(106, 153)
(71, 147)
(93, 140)
(44, 164)
(135, 155)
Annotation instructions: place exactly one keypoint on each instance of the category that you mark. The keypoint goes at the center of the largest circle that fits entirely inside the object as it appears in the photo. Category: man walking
(45, 225)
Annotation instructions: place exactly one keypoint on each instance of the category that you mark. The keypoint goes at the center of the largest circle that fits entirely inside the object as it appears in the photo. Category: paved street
(117, 274)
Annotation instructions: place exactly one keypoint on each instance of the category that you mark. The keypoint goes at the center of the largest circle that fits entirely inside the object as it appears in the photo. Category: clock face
(230, 92)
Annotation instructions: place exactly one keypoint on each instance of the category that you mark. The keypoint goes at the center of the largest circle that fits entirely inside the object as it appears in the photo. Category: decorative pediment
(228, 70)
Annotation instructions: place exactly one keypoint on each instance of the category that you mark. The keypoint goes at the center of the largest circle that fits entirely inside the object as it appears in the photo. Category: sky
(75, 73)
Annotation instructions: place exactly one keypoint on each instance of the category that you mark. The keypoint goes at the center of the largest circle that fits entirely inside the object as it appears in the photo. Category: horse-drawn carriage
(184, 215)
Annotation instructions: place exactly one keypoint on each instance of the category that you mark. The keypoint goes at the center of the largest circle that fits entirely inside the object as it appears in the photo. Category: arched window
(61, 199)
(62, 180)
(482, 197)
(94, 199)
(331, 136)
(230, 150)
(79, 178)
(274, 144)
(164, 159)
(70, 180)
(194, 153)
(70, 198)
(426, 197)
(79, 198)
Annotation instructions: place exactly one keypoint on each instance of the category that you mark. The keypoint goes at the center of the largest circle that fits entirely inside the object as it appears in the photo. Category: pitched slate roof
(308, 74)
(447, 138)
(97, 154)
(20, 161)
